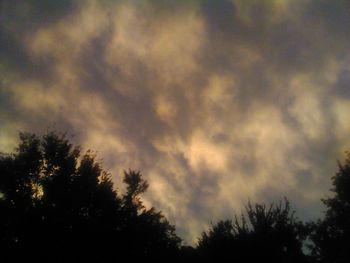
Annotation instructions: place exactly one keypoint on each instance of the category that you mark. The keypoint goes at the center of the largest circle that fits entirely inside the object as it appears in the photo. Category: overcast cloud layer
(215, 101)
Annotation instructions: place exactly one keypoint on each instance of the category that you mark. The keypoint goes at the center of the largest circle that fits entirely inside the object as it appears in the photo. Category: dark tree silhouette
(146, 232)
(59, 206)
(331, 236)
(264, 234)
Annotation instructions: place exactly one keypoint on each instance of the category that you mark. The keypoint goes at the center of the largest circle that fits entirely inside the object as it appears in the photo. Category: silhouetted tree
(147, 231)
(19, 178)
(331, 236)
(264, 234)
(59, 206)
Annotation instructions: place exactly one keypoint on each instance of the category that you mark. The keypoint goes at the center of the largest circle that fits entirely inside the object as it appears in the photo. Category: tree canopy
(57, 204)
(331, 235)
(265, 232)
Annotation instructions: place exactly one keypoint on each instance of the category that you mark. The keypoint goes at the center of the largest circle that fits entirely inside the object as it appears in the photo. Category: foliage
(270, 233)
(61, 203)
(331, 236)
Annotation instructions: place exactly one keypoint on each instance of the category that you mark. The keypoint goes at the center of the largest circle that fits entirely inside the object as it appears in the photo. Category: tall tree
(58, 205)
(331, 235)
(265, 233)
(148, 232)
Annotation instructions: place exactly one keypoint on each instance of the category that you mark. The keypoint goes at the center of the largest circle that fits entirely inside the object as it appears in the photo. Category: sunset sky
(216, 102)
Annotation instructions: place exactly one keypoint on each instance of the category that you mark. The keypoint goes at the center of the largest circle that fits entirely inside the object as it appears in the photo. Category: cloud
(216, 102)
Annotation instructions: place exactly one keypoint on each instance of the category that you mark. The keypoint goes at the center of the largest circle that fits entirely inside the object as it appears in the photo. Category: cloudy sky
(217, 102)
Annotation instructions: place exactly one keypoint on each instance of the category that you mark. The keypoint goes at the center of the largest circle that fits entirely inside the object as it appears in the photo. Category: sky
(216, 102)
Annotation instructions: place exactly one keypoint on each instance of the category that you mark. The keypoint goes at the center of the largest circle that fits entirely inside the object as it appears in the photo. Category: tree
(19, 175)
(147, 231)
(58, 205)
(331, 235)
(270, 234)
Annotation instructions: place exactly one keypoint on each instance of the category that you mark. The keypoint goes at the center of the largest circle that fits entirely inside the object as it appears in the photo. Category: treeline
(59, 205)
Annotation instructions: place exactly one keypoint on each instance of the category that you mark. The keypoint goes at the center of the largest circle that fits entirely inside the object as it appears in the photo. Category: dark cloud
(342, 86)
(31, 14)
(20, 18)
